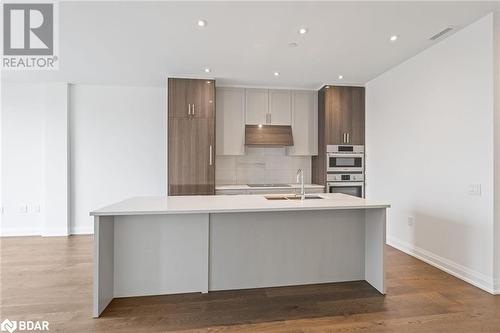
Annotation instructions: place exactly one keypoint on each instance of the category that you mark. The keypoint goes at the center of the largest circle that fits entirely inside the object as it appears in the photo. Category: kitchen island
(180, 244)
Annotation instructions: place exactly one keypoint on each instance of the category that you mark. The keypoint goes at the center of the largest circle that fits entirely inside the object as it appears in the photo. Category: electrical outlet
(474, 189)
(411, 221)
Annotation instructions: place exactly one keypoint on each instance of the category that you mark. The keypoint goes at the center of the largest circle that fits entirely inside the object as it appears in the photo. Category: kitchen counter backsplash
(261, 166)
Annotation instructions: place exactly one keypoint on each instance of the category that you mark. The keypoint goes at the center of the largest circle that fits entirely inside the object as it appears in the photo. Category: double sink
(291, 197)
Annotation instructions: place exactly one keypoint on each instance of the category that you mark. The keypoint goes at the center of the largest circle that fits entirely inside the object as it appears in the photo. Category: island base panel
(267, 249)
(139, 255)
(103, 263)
(160, 254)
(375, 237)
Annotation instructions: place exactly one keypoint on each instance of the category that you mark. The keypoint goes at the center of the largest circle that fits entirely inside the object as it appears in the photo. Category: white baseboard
(497, 287)
(82, 230)
(464, 273)
(16, 232)
(54, 232)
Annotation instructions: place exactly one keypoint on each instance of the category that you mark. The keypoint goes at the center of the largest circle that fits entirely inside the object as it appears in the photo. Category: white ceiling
(244, 43)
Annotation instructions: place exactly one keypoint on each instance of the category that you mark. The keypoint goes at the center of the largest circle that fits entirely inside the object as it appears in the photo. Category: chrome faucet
(300, 178)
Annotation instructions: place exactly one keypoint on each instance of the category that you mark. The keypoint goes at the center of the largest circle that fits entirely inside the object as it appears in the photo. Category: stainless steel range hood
(268, 135)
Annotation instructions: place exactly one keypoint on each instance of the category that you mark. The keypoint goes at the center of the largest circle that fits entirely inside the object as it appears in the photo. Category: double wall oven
(346, 169)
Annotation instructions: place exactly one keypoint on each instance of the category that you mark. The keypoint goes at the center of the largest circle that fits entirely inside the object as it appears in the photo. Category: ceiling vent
(441, 33)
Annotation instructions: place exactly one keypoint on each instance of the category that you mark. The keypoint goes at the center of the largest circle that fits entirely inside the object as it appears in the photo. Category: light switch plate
(474, 189)
(411, 221)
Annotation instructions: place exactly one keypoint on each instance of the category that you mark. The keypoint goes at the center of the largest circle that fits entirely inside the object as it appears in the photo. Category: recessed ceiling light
(302, 31)
(276, 74)
(341, 77)
(202, 23)
(207, 70)
(293, 44)
(394, 38)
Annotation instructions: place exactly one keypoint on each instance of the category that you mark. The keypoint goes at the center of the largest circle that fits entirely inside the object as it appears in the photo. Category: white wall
(429, 136)
(117, 150)
(56, 161)
(117, 147)
(497, 150)
(22, 157)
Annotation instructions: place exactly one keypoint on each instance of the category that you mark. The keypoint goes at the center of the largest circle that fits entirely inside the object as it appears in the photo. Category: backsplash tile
(261, 165)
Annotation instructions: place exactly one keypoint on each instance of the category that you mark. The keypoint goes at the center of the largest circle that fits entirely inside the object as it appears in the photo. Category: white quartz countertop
(231, 204)
(246, 187)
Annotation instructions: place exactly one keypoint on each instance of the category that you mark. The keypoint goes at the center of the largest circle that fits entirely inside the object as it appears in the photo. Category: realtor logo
(8, 325)
(29, 31)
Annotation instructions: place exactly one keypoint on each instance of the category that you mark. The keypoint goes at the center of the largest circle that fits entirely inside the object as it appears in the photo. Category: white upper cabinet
(268, 107)
(257, 106)
(236, 107)
(280, 107)
(304, 123)
(230, 121)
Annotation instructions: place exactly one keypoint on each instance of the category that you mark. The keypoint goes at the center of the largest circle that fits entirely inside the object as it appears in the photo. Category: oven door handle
(345, 155)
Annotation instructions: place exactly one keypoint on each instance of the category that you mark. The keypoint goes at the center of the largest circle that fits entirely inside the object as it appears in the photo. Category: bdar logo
(8, 325)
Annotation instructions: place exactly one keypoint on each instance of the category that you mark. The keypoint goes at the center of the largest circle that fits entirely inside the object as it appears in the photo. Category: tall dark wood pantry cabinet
(191, 137)
(341, 121)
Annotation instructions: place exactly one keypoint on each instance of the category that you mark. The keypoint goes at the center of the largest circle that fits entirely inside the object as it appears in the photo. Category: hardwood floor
(51, 279)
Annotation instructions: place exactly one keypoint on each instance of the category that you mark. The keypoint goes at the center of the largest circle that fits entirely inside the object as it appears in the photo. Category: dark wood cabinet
(191, 98)
(191, 137)
(202, 98)
(341, 120)
(178, 105)
(344, 115)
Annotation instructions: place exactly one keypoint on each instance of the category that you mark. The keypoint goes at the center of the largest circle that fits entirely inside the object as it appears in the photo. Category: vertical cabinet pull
(270, 119)
(189, 109)
(193, 109)
(348, 138)
(210, 158)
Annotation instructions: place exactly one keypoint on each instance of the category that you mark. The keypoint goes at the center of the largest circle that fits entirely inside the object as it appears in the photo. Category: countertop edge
(248, 210)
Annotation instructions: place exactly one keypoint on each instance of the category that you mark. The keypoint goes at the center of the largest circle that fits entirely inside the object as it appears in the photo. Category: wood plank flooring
(51, 279)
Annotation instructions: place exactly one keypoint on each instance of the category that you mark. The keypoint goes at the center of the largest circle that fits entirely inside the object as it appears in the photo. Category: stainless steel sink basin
(306, 198)
(269, 185)
(291, 197)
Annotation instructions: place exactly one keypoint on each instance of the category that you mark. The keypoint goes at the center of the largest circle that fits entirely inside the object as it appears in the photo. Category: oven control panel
(345, 177)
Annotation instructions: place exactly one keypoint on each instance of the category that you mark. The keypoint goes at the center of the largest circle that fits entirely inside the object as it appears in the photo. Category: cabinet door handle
(210, 158)
(348, 138)
(343, 138)
(193, 109)
(189, 109)
(270, 119)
